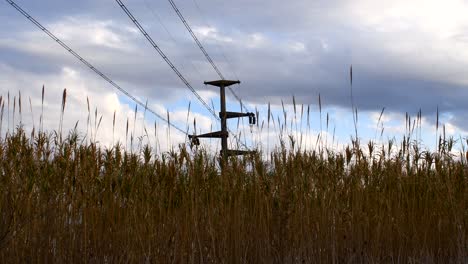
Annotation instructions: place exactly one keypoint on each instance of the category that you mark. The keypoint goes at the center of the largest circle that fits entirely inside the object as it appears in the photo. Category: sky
(406, 56)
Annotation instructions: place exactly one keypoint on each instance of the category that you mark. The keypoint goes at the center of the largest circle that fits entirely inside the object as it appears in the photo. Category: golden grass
(66, 201)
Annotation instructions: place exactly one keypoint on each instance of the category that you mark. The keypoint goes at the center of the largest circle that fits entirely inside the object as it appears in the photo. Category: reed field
(68, 200)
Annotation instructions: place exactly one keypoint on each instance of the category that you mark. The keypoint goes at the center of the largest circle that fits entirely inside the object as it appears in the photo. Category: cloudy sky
(406, 56)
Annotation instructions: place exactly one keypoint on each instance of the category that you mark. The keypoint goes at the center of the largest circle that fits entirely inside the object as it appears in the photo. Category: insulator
(195, 141)
(252, 119)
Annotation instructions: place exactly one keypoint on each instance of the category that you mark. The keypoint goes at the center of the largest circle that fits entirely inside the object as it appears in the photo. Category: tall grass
(70, 200)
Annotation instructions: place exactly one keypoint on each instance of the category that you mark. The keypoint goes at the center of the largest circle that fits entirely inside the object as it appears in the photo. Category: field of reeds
(66, 200)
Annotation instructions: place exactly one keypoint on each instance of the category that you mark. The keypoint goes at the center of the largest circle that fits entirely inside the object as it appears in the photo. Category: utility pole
(224, 115)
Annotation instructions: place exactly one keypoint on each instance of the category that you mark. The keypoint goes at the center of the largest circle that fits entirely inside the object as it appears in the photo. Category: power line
(207, 56)
(220, 48)
(187, 26)
(89, 65)
(172, 38)
(156, 47)
(219, 45)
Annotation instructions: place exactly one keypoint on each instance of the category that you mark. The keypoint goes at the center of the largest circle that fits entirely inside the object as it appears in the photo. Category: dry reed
(66, 201)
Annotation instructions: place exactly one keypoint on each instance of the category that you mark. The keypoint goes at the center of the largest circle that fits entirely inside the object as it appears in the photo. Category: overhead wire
(207, 56)
(89, 65)
(171, 37)
(227, 60)
(187, 26)
(155, 14)
(163, 55)
(219, 46)
(173, 67)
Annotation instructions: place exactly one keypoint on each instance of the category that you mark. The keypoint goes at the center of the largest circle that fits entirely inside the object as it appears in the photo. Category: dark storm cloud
(277, 49)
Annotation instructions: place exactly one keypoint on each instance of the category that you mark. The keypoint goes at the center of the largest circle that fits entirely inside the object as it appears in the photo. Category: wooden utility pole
(224, 115)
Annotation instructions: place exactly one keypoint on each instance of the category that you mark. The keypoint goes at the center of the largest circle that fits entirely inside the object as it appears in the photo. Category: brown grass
(62, 201)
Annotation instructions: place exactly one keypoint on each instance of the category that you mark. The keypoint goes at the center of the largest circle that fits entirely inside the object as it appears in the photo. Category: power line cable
(172, 38)
(219, 46)
(156, 47)
(242, 106)
(207, 56)
(97, 71)
(158, 17)
(161, 53)
(187, 26)
(89, 65)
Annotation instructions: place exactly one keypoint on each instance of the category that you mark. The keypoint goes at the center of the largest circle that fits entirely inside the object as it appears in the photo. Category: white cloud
(208, 95)
(297, 46)
(256, 40)
(438, 18)
(103, 101)
(421, 40)
(325, 45)
(77, 31)
(95, 32)
(210, 33)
